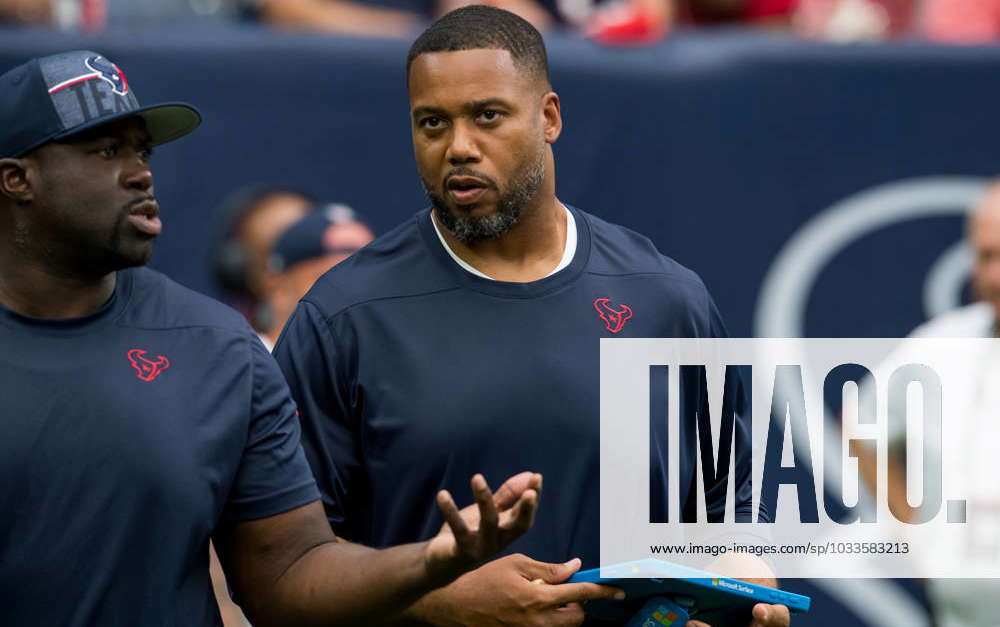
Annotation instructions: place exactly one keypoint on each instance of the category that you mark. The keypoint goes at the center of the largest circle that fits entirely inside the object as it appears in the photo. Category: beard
(521, 190)
(129, 251)
(74, 251)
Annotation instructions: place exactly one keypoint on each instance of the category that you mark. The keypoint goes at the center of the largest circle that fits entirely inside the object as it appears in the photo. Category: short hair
(477, 27)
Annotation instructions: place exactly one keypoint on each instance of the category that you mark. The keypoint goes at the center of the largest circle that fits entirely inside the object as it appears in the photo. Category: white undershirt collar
(567, 257)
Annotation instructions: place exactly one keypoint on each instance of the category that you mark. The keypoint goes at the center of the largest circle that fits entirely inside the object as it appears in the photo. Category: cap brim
(169, 121)
(165, 122)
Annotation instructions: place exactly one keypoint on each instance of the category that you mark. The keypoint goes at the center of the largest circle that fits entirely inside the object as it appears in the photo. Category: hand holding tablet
(670, 594)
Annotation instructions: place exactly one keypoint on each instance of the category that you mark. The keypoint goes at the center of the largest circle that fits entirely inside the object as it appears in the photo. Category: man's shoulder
(395, 265)
(157, 301)
(975, 320)
(618, 250)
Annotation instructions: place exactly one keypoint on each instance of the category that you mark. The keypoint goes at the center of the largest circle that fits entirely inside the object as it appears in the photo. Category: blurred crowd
(611, 22)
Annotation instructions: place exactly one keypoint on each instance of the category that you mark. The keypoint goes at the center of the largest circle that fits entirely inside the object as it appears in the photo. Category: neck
(35, 290)
(527, 252)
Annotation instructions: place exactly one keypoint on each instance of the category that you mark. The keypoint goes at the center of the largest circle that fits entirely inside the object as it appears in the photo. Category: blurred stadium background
(818, 188)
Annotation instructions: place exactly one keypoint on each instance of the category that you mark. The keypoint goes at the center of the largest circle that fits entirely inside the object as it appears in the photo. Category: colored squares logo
(664, 617)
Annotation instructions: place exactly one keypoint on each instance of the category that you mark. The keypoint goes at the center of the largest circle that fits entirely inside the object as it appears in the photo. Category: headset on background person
(233, 257)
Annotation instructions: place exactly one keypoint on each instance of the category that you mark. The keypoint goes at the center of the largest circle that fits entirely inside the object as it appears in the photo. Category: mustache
(139, 201)
(464, 171)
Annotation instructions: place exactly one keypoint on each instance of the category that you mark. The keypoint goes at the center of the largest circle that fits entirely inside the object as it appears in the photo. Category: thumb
(774, 615)
(760, 613)
(551, 573)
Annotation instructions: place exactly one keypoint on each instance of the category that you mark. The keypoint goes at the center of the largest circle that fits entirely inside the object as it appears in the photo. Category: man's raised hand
(477, 533)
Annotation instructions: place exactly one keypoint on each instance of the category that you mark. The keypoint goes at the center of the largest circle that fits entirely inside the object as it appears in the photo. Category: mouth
(144, 215)
(466, 190)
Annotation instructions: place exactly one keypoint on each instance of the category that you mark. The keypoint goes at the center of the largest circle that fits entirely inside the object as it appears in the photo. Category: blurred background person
(303, 253)
(946, 21)
(386, 18)
(277, 247)
(984, 236)
(855, 20)
(978, 319)
(95, 14)
(961, 21)
(252, 219)
(26, 11)
(964, 602)
(747, 12)
(616, 22)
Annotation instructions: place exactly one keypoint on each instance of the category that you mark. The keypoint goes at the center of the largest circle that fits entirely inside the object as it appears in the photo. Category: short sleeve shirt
(126, 437)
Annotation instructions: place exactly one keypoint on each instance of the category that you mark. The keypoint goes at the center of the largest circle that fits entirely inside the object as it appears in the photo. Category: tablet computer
(718, 601)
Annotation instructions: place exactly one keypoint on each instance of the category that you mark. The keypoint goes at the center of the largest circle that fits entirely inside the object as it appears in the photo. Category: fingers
(549, 573)
(581, 592)
(569, 615)
(513, 488)
(520, 519)
(765, 615)
(451, 516)
(484, 499)
(567, 593)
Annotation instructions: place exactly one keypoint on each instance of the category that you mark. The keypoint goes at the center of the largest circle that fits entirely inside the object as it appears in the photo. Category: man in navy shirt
(141, 419)
(468, 337)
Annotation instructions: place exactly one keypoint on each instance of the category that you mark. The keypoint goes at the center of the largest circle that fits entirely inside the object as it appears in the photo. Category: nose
(463, 147)
(137, 174)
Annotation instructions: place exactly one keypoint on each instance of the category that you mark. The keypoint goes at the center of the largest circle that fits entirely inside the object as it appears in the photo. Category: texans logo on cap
(99, 68)
(109, 72)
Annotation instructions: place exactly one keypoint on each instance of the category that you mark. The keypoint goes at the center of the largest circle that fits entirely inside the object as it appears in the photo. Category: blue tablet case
(652, 583)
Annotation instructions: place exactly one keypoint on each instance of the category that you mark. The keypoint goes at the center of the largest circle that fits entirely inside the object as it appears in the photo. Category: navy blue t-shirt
(412, 374)
(127, 436)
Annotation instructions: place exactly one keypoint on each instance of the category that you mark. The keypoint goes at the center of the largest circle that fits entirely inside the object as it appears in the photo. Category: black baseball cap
(63, 94)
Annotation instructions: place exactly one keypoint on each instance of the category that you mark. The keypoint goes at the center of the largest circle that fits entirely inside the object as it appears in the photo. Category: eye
(490, 115)
(145, 153)
(108, 151)
(431, 123)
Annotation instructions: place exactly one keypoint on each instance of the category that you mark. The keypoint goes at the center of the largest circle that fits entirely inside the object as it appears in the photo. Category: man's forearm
(432, 608)
(289, 569)
(347, 584)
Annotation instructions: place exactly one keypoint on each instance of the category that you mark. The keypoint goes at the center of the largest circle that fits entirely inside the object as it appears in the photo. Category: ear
(551, 117)
(14, 182)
